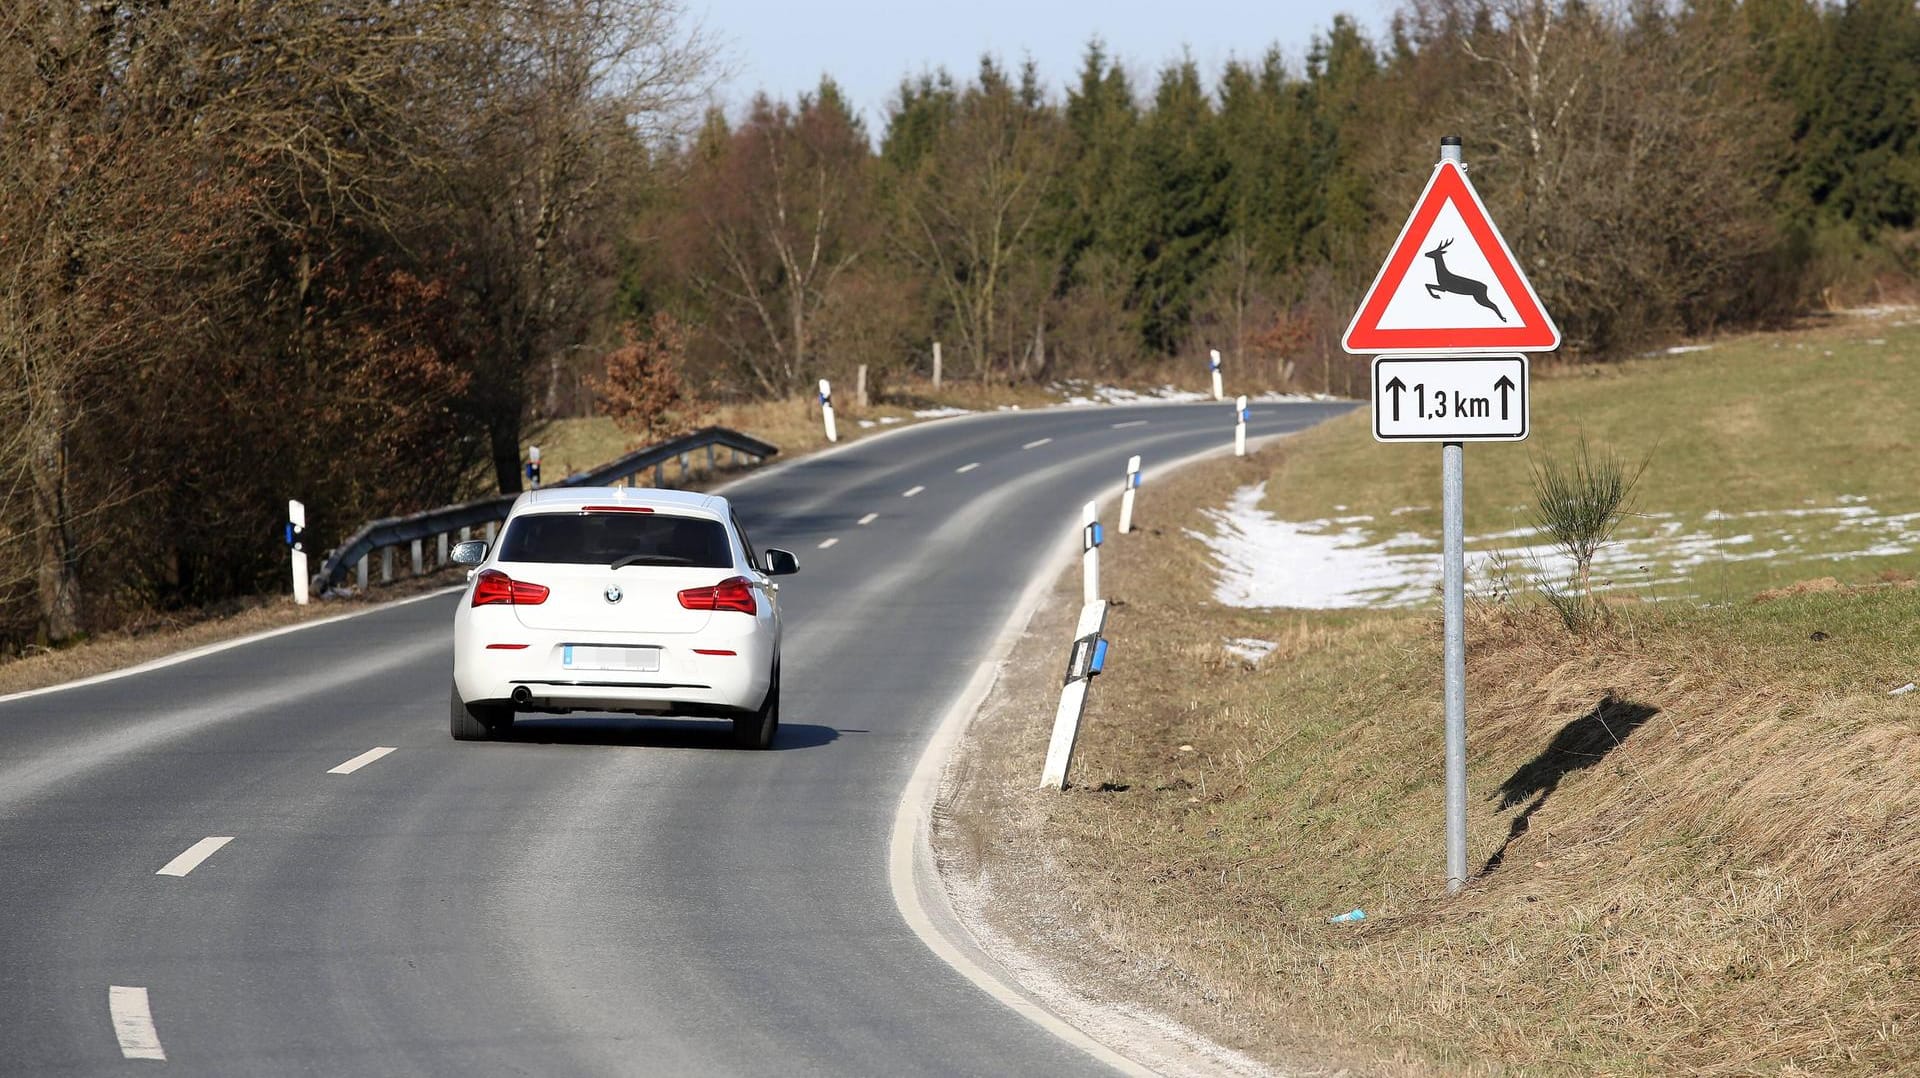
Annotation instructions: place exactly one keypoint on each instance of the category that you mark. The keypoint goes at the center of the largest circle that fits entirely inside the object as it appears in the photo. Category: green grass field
(1770, 458)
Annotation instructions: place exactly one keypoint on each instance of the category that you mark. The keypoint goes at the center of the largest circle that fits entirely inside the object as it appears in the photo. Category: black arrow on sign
(1396, 387)
(1505, 386)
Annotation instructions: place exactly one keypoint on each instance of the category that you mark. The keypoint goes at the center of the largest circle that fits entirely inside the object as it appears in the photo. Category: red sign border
(1536, 331)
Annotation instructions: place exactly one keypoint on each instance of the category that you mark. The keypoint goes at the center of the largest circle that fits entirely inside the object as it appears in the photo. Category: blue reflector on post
(1099, 657)
(1246, 414)
(1133, 479)
(1098, 534)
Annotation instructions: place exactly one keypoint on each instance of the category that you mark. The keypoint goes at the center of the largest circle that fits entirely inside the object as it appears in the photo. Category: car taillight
(733, 593)
(493, 587)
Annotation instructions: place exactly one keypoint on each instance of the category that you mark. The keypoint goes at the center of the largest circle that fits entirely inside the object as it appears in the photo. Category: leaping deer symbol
(1446, 280)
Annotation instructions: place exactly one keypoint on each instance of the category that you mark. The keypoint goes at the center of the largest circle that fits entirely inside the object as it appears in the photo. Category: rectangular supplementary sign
(1450, 398)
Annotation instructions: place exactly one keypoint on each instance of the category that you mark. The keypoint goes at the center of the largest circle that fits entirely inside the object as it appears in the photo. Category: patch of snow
(1683, 349)
(940, 413)
(1904, 689)
(1250, 648)
(1263, 561)
(865, 423)
(1877, 312)
(886, 420)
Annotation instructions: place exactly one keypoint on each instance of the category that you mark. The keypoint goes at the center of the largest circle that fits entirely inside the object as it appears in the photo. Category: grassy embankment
(1695, 832)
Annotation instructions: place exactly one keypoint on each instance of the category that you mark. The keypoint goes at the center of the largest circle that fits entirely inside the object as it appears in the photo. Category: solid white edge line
(1036, 444)
(177, 658)
(133, 1022)
(826, 543)
(868, 519)
(191, 857)
(360, 761)
(912, 874)
(912, 492)
(965, 468)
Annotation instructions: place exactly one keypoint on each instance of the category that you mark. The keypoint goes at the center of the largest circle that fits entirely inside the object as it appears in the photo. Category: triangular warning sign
(1451, 284)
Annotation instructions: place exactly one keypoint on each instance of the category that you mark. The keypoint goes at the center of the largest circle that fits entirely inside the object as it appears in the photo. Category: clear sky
(784, 46)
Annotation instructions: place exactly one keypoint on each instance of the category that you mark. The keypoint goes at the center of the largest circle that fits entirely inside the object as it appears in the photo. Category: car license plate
(630, 659)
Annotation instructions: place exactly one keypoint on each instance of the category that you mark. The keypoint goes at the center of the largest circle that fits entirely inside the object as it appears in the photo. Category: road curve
(594, 896)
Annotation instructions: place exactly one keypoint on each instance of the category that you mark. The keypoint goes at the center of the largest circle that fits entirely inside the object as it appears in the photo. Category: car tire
(479, 722)
(756, 731)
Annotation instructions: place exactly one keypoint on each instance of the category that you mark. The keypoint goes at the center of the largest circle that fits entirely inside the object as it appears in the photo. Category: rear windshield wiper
(651, 559)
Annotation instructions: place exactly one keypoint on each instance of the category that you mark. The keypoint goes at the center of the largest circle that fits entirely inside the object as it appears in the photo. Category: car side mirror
(781, 562)
(471, 552)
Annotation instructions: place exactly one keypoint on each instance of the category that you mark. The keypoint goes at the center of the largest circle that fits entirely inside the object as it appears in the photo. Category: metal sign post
(1467, 382)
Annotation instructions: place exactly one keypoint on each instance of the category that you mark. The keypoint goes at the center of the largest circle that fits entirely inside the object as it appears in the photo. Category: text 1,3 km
(1450, 398)
(1444, 404)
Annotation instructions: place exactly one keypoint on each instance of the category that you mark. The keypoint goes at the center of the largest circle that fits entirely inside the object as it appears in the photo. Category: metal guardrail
(413, 530)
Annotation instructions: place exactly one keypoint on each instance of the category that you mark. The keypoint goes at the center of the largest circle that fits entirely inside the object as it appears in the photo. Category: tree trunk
(503, 437)
(57, 570)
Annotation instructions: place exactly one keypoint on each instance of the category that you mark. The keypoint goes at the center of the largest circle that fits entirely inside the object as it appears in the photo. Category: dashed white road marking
(965, 468)
(825, 543)
(133, 1022)
(1036, 445)
(191, 857)
(869, 518)
(911, 493)
(360, 761)
(1130, 423)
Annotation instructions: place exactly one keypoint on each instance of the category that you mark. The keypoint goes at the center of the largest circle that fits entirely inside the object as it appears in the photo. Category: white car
(616, 599)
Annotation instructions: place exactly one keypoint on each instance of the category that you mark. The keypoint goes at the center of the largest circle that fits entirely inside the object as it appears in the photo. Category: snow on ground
(940, 413)
(1083, 395)
(1250, 648)
(1263, 561)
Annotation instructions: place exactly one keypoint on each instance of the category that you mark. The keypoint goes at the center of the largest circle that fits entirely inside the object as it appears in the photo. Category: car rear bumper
(653, 698)
(702, 674)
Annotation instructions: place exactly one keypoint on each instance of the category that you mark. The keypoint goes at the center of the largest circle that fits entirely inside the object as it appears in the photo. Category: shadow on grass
(655, 733)
(1579, 745)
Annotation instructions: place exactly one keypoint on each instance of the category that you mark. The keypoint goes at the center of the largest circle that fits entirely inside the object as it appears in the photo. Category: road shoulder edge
(927, 902)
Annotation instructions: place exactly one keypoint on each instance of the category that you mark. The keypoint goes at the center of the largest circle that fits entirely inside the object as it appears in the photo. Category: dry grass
(1695, 833)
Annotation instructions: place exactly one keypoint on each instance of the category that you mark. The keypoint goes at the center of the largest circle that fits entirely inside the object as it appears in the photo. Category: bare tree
(567, 97)
(774, 225)
(971, 206)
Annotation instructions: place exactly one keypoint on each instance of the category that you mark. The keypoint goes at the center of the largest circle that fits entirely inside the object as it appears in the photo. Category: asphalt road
(595, 896)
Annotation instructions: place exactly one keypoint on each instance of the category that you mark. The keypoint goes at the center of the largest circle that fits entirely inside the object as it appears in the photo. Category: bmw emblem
(613, 593)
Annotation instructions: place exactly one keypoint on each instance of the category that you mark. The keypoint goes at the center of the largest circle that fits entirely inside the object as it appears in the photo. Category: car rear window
(605, 538)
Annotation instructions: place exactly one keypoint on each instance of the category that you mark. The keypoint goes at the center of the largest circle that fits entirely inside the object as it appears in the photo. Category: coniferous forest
(354, 248)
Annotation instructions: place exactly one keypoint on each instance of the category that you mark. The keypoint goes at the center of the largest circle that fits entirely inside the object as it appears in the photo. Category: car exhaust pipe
(522, 696)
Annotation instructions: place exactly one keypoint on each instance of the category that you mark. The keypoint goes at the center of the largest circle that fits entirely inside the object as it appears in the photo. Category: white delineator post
(1084, 662)
(533, 466)
(936, 364)
(1126, 495)
(826, 410)
(1213, 365)
(297, 543)
(1090, 553)
(1240, 427)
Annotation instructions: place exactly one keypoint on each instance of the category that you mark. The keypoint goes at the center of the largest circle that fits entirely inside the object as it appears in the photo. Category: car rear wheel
(477, 722)
(756, 731)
